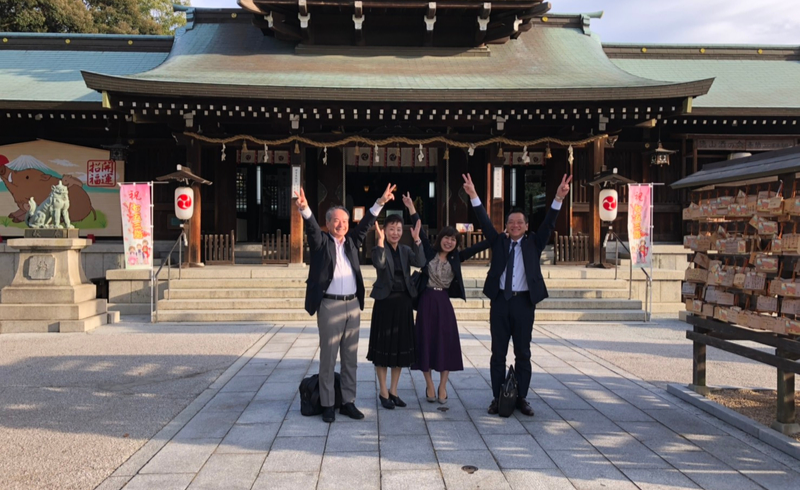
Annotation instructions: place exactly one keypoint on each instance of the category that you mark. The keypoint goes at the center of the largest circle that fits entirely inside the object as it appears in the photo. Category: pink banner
(136, 228)
(641, 243)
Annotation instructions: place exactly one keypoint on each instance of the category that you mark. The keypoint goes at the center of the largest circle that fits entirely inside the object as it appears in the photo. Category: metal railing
(154, 279)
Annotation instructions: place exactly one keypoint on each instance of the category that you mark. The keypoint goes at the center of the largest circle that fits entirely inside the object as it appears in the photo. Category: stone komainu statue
(49, 213)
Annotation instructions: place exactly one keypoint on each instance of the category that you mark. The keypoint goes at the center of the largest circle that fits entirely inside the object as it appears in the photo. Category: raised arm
(379, 251)
(312, 227)
(360, 233)
(483, 217)
(427, 250)
(418, 258)
(549, 224)
(470, 252)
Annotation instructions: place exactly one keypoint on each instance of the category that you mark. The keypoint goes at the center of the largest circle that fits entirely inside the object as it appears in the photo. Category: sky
(676, 21)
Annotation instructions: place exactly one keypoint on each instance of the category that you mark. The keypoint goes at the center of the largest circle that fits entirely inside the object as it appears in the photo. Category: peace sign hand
(415, 230)
(469, 187)
(388, 194)
(301, 200)
(563, 188)
(409, 203)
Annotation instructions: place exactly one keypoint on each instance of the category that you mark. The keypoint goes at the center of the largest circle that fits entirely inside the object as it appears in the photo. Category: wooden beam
(597, 160)
(296, 223)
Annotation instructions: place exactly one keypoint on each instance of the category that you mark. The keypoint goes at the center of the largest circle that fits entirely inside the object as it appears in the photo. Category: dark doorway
(263, 200)
(365, 185)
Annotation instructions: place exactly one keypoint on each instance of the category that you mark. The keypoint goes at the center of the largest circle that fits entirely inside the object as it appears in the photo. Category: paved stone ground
(596, 426)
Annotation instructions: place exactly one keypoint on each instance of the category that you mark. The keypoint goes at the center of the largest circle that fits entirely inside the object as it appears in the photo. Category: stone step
(470, 304)
(231, 316)
(300, 292)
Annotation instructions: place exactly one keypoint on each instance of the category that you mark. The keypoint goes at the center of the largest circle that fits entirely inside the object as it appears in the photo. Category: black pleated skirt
(391, 334)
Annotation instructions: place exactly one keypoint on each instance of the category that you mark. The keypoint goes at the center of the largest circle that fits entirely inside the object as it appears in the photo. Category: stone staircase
(274, 294)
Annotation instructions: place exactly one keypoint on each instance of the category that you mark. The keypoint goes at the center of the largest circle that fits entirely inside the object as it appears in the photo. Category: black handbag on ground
(508, 394)
(310, 403)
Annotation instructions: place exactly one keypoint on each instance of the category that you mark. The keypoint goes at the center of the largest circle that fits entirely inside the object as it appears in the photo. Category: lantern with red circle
(184, 203)
(608, 204)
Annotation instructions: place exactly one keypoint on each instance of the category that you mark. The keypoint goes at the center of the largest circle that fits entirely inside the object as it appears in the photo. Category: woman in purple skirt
(438, 347)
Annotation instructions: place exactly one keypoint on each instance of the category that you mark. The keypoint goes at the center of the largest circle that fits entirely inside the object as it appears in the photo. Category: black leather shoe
(385, 402)
(493, 407)
(397, 401)
(328, 414)
(524, 407)
(351, 411)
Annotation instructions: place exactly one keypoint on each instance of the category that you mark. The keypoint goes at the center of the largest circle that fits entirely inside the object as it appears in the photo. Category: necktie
(510, 272)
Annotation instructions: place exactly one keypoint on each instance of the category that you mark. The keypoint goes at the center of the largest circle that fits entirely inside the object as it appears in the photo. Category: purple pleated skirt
(438, 347)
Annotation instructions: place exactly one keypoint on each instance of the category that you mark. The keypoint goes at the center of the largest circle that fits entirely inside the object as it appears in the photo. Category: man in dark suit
(514, 284)
(335, 292)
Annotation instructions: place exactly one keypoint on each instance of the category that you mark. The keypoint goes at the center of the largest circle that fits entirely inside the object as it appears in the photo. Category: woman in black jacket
(391, 335)
(437, 343)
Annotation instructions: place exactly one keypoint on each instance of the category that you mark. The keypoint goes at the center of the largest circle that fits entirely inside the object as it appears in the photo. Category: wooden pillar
(296, 238)
(596, 160)
(786, 411)
(699, 365)
(194, 157)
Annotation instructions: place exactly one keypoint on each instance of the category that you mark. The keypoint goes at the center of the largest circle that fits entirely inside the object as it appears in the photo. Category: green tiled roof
(740, 85)
(235, 59)
(34, 77)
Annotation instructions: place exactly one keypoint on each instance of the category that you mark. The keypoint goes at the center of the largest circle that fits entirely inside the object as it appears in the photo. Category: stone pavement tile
(350, 471)
(229, 471)
(472, 381)
(298, 425)
(351, 438)
(488, 475)
(229, 402)
(542, 410)
(538, 479)
(411, 479)
(181, 457)
(588, 421)
(452, 436)
(243, 383)
(368, 389)
(207, 424)
(287, 375)
(494, 424)
(684, 422)
(473, 399)
(264, 411)
(286, 481)
(586, 466)
(556, 434)
(618, 410)
(517, 452)
(721, 480)
(271, 347)
(251, 438)
(295, 454)
(453, 410)
(560, 399)
(113, 482)
(659, 479)
(644, 399)
(774, 480)
(402, 421)
(407, 452)
(625, 451)
(258, 367)
(174, 481)
(277, 391)
(658, 437)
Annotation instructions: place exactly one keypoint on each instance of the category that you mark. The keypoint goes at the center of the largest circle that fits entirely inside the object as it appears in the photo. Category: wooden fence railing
(218, 249)
(276, 249)
(571, 249)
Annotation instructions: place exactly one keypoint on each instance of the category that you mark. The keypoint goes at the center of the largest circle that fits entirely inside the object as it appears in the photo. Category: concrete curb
(745, 424)
(141, 457)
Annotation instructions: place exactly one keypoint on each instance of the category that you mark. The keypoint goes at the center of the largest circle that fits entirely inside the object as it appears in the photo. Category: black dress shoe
(328, 414)
(351, 411)
(385, 402)
(524, 407)
(493, 407)
(397, 401)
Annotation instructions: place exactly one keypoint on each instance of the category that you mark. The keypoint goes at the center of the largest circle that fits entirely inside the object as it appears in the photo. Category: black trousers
(511, 319)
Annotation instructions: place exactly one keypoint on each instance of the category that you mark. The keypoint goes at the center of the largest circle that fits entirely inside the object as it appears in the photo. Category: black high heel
(386, 403)
(397, 401)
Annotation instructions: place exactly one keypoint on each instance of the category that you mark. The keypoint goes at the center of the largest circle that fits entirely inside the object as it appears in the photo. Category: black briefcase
(508, 394)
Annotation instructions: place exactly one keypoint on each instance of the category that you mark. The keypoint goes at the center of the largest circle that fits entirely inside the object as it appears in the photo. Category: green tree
(91, 16)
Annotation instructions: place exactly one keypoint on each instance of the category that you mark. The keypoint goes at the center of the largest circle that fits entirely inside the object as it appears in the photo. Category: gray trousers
(338, 323)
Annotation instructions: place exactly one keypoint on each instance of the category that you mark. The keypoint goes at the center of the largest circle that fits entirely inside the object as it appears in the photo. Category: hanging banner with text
(136, 230)
(641, 243)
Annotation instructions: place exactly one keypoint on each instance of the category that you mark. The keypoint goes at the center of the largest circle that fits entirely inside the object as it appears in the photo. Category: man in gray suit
(335, 292)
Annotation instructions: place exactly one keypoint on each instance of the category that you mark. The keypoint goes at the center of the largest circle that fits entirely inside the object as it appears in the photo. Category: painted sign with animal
(29, 171)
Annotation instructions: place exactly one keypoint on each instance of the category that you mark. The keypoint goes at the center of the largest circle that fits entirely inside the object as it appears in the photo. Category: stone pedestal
(50, 292)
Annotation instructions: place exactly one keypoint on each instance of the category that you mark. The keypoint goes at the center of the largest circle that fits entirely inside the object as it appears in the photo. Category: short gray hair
(329, 212)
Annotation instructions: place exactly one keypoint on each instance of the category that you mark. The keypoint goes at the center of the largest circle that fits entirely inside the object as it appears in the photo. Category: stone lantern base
(50, 292)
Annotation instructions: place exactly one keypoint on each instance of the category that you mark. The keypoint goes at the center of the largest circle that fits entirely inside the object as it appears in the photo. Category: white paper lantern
(608, 205)
(184, 203)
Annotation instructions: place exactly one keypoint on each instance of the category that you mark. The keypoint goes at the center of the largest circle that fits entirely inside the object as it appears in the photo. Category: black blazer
(383, 261)
(454, 258)
(532, 246)
(323, 257)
